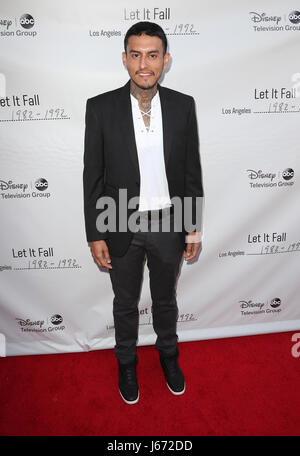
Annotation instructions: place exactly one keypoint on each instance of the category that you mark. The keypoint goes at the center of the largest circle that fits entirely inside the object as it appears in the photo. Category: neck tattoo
(144, 97)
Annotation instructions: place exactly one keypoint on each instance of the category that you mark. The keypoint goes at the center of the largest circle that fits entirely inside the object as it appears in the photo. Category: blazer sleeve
(93, 172)
(193, 174)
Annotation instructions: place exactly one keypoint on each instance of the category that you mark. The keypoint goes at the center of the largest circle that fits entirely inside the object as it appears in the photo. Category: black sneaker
(173, 374)
(128, 385)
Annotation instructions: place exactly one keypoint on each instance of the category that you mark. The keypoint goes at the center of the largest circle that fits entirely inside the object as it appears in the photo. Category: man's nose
(143, 61)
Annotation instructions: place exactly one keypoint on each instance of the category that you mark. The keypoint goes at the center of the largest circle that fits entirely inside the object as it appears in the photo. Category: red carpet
(236, 386)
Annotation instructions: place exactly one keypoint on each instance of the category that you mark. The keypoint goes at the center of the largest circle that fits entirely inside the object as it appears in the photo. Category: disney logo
(246, 304)
(11, 186)
(4, 268)
(260, 175)
(28, 322)
(5, 23)
(256, 17)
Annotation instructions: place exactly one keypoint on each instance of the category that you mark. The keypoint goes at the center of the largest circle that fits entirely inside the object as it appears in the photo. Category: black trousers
(163, 252)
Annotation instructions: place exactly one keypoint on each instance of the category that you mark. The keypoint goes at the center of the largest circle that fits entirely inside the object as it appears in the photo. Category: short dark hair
(146, 28)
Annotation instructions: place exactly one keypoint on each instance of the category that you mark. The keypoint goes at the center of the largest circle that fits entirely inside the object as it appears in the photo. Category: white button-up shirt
(154, 190)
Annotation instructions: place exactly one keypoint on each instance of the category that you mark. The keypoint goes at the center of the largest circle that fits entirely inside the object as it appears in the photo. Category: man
(142, 138)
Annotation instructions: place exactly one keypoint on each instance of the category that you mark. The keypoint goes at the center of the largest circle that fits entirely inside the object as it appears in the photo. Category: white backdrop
(239, 61)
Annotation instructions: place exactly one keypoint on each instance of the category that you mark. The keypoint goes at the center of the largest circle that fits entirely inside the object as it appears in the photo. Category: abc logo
(27, 21)
(294, 17)
(275, 302)
(288, 173)
(56, 319)
(41, 184)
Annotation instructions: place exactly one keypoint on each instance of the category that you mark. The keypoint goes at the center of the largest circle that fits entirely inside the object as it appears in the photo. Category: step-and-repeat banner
(239, 60)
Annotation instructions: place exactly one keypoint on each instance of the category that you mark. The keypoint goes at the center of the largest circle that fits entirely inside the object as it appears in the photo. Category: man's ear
(124, 59)
(167, 57)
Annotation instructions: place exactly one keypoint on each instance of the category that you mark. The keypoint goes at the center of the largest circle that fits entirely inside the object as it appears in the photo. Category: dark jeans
(163, 251)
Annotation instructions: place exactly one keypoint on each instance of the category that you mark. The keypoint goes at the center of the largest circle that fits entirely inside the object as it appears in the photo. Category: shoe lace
(130, 374)
(172, 366)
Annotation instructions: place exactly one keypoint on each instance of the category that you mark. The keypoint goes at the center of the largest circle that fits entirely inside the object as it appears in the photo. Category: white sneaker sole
(175, 392)
(130, 402)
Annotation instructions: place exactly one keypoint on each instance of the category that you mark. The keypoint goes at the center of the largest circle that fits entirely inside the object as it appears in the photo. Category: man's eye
(135, 55)
(153, 56)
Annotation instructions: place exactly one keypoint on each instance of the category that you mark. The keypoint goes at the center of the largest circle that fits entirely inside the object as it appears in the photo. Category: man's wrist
(192, 238)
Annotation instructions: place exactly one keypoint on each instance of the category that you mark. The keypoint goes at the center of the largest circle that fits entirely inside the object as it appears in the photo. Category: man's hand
(193, 245)
(100, 254)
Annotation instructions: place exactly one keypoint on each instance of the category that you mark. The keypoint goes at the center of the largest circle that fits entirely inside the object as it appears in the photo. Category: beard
(149, 86)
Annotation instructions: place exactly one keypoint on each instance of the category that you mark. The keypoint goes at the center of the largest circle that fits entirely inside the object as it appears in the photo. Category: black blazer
(111, 160)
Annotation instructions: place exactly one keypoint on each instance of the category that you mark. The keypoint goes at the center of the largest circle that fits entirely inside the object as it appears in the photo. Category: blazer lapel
(127, 127)
(166, 110)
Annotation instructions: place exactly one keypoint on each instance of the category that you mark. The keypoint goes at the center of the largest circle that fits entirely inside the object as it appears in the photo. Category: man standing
(143, 138)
